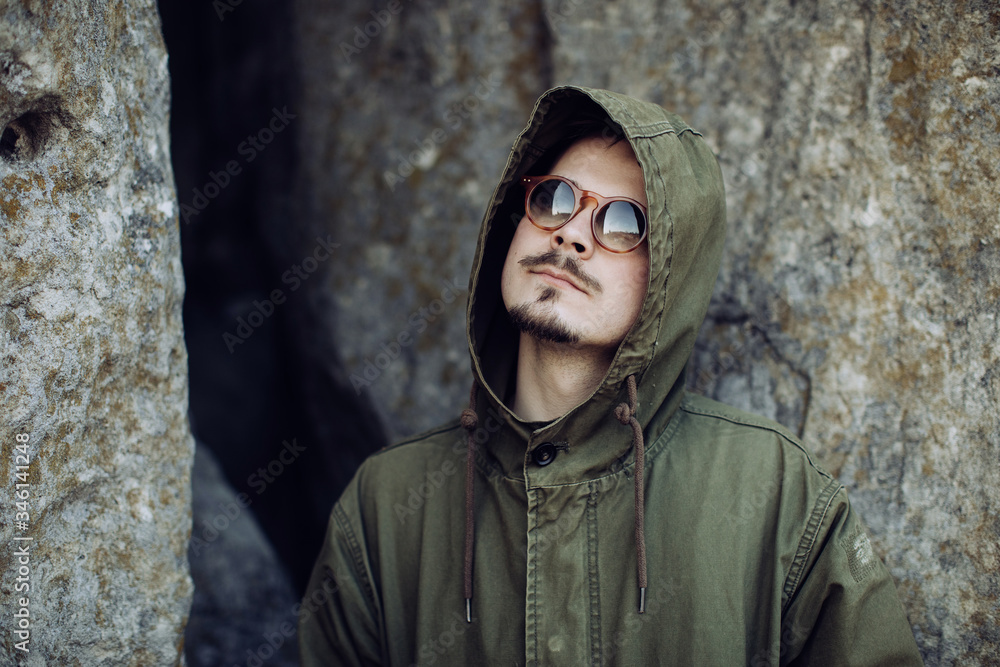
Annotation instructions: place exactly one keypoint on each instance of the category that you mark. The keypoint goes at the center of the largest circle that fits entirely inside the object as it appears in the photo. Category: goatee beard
(543, 327)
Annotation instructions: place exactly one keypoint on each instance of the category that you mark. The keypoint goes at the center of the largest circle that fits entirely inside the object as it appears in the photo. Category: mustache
(568, 264)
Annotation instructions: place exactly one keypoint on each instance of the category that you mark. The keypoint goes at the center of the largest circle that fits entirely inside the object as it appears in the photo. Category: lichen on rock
(94, 366)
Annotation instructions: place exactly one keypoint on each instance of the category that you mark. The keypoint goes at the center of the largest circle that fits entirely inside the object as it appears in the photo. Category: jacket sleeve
(842, 607)
(339, 616)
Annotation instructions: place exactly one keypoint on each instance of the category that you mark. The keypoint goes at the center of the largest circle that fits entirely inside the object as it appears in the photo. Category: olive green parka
(753, 555)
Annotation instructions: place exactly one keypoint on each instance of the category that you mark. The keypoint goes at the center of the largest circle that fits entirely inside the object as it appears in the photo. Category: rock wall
(94, 372)
(858, 298)
(408, 116)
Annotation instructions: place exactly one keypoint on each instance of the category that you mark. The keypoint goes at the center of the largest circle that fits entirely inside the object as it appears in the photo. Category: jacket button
(544, 453)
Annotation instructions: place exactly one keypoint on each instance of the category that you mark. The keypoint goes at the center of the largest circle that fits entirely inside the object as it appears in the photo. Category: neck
(553, 378)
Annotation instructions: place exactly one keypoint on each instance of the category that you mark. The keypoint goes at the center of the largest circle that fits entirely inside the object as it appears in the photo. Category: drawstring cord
(470, 419)
(626, 415)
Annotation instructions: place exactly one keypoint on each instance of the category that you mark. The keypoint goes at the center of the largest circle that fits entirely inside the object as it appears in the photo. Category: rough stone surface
(413, 125)
(94, 366)
(243, 598)
(858, 298)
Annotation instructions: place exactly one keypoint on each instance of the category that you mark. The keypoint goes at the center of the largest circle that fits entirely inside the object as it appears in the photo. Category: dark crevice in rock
(869, 17)
(793, 418)
(26, 136)
(8, 143)
(275, 379)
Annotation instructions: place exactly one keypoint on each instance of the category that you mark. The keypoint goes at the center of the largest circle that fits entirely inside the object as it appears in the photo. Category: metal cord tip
(468, 610)
(642, 600)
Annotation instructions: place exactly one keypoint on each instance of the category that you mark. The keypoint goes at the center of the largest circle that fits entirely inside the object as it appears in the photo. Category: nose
(576, 235)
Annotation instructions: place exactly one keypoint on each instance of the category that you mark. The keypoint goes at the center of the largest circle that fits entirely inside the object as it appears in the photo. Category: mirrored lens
(551, 204)
(620, 225)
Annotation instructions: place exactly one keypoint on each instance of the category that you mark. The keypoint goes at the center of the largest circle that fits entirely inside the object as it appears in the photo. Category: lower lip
(558, 282)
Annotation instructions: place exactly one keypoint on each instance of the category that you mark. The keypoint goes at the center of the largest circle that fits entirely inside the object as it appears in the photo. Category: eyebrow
(571, 181)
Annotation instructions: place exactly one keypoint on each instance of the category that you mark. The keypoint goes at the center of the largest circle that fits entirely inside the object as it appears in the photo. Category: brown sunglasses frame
(530, 182)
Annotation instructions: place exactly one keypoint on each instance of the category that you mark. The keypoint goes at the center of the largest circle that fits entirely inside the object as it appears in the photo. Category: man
(586, 509)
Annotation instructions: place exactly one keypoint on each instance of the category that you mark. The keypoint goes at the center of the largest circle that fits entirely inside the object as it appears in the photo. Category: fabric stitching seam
(595, 591)
(812, 530)
(355, 547)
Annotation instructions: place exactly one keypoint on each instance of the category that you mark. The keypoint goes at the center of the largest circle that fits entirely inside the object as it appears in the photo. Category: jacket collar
(588, 445)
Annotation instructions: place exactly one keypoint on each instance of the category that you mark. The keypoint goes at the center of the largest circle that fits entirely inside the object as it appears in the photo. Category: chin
(542, 323)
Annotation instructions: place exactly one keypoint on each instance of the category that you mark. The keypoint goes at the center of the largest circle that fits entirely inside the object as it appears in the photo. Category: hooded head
(671, 275)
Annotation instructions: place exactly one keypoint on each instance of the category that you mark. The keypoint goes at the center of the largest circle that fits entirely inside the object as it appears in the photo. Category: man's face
(562, 286)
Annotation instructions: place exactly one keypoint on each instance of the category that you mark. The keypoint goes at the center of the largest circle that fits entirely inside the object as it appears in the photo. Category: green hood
(687, 217)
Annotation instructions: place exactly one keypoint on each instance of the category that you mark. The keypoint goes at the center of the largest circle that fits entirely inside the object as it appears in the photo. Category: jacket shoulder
(696, 404)
(744, 428)
(429, 438)
(421, 445)
(413, 458)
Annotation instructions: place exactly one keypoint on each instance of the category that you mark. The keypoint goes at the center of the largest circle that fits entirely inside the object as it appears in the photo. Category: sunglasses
(618, 223)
